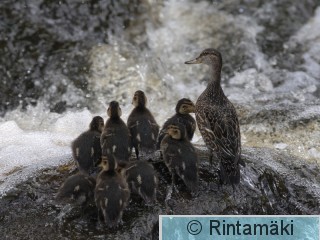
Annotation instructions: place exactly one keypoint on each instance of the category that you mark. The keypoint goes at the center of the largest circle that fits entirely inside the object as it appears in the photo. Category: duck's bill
(192, 108)
(194, 61)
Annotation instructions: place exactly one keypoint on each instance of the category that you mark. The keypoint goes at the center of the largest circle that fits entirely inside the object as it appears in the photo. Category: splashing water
(278, 104)
(63, 62)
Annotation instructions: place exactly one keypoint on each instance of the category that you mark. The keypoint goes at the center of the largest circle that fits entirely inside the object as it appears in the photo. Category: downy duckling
(142, 179)
(79, 187)
(111, 193)
(142, 125)
(180, 156)
(86, 148)
(183, 109)
(115, 138)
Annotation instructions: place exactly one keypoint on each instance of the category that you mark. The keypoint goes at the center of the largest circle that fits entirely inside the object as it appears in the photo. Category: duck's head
(108, 163)
(176, 131)
(114, 110)
(139, 99)
(185, 106)
(208, 56)
(97, 124)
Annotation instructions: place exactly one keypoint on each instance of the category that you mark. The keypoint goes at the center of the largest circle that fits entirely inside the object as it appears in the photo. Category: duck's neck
(115, 118)
(141, 108)
(214, 86)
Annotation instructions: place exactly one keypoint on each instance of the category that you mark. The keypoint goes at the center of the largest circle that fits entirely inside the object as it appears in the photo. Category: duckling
(218, 121)
(79, 187)
(142, 180)
(115, 138)
(86, 148)
(142, 125)
(183, 109)
(180, 156)
(111, 193)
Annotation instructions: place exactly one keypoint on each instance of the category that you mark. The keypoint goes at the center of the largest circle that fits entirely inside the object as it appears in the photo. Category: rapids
(62, 62)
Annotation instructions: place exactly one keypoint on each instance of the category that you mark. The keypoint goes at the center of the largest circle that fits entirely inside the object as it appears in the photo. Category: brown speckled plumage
(217, 120)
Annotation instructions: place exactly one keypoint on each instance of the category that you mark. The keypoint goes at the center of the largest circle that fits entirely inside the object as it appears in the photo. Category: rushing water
(62, 62)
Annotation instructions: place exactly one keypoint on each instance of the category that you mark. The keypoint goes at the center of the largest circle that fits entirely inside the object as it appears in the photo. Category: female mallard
(183, 109)
(142, 126)
(217, 120)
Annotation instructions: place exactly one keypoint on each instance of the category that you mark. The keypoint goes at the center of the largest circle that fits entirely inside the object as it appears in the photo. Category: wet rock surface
(61, 57)
(271, 183)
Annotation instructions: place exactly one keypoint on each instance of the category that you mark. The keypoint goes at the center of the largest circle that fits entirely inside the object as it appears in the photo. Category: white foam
(187, 29)
(309, 37)
(24, 150)
(310, 31)
(36, 138)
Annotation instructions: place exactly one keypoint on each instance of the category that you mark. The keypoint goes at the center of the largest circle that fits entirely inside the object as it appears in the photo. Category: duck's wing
(221, 132)
(169, 150)
(188, 121)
